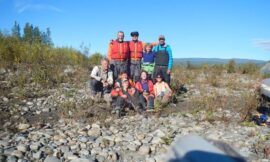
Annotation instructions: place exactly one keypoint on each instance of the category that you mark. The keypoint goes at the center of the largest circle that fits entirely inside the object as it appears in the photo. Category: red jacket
(150, 87)
(136, 50)
(118, 51)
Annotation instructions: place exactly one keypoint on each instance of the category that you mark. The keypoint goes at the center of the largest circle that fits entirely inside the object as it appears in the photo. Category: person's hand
(145, 93)
(124, 96)
(168, 71)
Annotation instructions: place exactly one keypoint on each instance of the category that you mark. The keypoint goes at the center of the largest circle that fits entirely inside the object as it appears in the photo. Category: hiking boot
(118, 114)
(149, 110)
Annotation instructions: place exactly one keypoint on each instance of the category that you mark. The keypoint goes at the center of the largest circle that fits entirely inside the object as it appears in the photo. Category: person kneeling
(101, 81)
(125, 96)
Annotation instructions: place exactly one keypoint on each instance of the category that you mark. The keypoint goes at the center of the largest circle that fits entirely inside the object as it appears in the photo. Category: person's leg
(114, 70)
(155, 72)
(143, 101)
(95, 86)
(136, 102)
(132, 70)
(137, 71)
(150, 102)
(166, 76)
(165, 99)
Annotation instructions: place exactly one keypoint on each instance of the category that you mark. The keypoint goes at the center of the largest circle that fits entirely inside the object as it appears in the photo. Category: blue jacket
(149, 57)
(169, 50)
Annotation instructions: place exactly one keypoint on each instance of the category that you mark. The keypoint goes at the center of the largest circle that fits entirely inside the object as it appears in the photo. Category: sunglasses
(161, 39)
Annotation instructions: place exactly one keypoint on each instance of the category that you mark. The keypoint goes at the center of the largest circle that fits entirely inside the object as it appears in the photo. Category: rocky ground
(63, 124)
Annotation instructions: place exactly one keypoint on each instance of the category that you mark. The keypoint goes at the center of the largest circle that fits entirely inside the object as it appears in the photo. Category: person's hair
(105, 59)
(143, 71)
(148, 45)
(120, 32)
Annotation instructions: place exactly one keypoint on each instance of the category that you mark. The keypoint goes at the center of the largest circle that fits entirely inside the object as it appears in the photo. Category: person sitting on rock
(101, 80)
(146, 88)
(148, 60)
(162, 91)
(124, 96)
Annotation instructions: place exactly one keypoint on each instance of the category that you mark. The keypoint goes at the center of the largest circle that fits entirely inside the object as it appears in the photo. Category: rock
(83, 139)
(35, 146)
(2, 71)
(17, 153)
(94, 132)
(72, 157)
(64, 149)
(159, 133)
(150, 160)
(37, 155)
(2, 158)
(144, 150)
(140, 136)
(4, 143)
(81, 160)
(132, 147)
(29, 103)
(5, 99)
(23, 126)
(51, 159)
(11, 159)
(23, 148)
(114, 156)
(100, 158)
(84, 152)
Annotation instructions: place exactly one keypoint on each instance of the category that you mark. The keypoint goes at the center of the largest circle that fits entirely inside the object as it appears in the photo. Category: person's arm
(152, 43)
(110, 50)
(94, 73)
(155, 90)
(169, 50)
(110, 78)
(138, 87)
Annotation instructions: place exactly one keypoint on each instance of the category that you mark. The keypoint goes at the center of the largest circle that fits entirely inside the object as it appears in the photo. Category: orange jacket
(136, 50)
(118, 51)
(150, 87)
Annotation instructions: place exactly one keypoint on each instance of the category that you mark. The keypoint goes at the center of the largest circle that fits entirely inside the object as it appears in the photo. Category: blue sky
(193, 28)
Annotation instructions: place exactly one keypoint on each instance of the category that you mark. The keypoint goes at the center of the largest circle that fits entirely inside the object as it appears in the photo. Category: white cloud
(264, 44)
(28, 5)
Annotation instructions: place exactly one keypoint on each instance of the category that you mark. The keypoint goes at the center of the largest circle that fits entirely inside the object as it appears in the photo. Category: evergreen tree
(48, 37)
(16, 30)
(28, 33)
(37, 36)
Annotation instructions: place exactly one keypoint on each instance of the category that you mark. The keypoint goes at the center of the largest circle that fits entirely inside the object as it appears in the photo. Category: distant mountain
(199, 61)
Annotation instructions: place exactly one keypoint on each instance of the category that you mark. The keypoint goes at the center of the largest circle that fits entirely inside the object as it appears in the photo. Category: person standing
(136, 51)
(163, 59)
(148, 61)
(118, 54)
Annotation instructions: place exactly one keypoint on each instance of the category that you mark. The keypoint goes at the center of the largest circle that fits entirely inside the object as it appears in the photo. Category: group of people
(135, 74)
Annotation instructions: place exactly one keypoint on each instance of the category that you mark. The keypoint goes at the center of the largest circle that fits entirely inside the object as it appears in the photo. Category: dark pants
(135, 70)
(135, 101)
(97, 86)
(149, 103)
(163, 71)
(117, 67)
